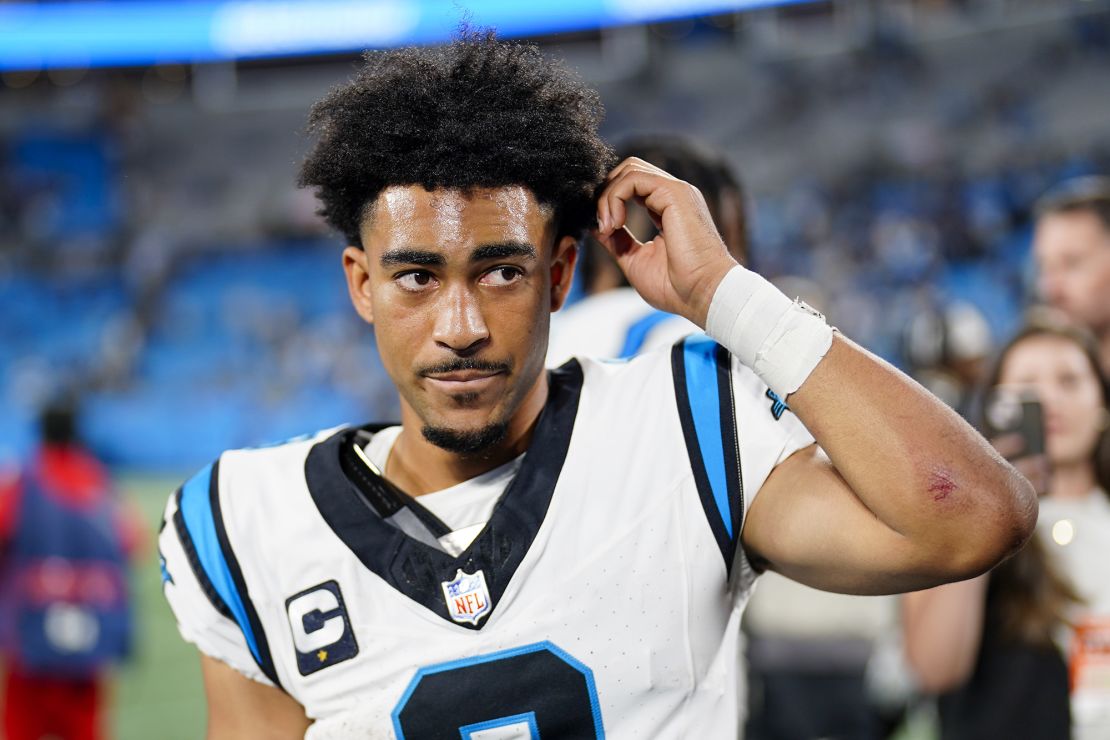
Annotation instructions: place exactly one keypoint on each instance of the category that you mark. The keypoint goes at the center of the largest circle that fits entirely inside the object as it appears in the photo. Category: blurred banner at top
(122, 33)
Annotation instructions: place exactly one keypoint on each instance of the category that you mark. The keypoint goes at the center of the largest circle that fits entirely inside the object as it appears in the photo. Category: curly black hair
(474, 113)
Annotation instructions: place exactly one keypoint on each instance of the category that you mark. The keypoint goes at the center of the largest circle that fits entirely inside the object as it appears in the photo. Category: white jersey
(615, 323)
(602, 598)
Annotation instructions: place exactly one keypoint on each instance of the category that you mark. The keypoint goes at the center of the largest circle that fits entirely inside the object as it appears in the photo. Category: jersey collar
(417, 569)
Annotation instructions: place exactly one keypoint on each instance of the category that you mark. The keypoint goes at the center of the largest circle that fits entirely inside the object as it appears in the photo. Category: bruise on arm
(942, 484)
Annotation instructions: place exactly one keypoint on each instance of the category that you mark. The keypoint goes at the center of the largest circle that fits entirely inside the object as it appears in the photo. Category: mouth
(465, 378)
(464, 381)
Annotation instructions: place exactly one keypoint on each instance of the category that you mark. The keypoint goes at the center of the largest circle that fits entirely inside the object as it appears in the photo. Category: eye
(415, 280)
(503, 275)
(1070, 381)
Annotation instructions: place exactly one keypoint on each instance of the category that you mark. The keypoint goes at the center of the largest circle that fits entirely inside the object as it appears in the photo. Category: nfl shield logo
(467, 597)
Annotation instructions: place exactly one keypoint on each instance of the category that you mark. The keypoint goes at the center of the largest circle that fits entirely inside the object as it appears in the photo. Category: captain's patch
(322, 634)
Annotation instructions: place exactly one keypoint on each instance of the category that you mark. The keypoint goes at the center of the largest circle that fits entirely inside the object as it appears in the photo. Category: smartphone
(1015, 411)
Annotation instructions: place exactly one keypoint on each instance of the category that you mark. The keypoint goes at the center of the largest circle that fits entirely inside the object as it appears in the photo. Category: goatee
(469, 442)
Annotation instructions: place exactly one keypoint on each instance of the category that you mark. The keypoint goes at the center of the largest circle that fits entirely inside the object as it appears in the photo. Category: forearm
(919, 468)
(943, 628)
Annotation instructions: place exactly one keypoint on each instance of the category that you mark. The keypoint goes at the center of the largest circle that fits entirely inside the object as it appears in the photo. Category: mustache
(465, 363)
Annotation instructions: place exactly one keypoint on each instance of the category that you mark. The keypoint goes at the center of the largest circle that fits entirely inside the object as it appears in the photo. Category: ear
(562, 270)
(356, 267)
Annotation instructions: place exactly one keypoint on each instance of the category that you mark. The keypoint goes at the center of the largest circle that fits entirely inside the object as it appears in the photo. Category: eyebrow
(428, 258)
(503, 250)
(411, 257)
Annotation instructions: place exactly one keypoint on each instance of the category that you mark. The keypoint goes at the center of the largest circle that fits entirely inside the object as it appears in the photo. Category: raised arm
(902, 494)
(241, 708)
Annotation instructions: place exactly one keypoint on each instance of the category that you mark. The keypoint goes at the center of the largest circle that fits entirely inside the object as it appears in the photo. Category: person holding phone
(995, 641)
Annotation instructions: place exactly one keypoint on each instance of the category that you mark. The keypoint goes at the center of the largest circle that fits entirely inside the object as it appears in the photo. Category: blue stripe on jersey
(699, 359)
(638, 332)
(196, 510)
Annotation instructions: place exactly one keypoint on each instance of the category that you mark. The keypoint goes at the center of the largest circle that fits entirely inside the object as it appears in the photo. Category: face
(1073, 258)
(1066, 384)
(460, 287)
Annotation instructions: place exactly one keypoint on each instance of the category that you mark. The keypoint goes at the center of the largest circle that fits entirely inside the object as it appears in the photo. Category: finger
(638, 164)
(623, 166)
(608, 221)
(603, 214)
(654, 189)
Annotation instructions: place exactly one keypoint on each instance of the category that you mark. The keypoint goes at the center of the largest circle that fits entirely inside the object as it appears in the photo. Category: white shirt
(1077, 533)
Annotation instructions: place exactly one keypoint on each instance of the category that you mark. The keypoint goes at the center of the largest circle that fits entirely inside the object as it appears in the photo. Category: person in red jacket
(64, 599)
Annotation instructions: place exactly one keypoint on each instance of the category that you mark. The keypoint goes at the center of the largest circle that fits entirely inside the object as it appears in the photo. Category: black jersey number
(538, 689)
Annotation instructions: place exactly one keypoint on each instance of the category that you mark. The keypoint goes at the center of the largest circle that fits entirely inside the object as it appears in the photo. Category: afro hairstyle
(474, 113)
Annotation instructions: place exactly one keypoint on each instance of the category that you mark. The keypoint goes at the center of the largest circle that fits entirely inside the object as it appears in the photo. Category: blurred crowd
(153, 240)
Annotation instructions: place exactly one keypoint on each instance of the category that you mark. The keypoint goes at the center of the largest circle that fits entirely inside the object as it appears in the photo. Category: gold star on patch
(322, 655)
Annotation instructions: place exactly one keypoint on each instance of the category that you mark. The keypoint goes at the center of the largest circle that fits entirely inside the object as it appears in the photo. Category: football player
(551, 553)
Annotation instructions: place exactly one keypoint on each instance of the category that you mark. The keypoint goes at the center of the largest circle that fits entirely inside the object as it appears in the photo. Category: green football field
(158, 694)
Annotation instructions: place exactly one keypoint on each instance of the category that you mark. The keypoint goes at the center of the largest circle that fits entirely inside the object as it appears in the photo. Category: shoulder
(248, 491)
(265, 455)
(217, 524)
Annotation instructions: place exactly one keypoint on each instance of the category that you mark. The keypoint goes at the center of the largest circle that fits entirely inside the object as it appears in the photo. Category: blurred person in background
(948, 348)
(612, 320)
(991, 646)
(65, 605)
(1071, 244)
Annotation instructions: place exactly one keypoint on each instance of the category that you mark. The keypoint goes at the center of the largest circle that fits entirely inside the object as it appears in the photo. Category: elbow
(1013, 515)
(1026, 509)
(999, 524)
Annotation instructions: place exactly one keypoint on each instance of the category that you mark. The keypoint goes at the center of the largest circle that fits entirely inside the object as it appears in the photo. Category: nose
(460, 325)
(1049, 396)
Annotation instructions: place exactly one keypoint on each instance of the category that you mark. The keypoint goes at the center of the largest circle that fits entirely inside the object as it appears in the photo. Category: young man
(1071, 244)
(561, 553)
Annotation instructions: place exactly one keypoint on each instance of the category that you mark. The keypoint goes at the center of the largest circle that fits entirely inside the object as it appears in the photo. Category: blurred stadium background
(156, 256)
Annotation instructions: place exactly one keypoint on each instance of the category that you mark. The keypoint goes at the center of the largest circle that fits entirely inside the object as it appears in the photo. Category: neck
(1074, 481)
(418, 467)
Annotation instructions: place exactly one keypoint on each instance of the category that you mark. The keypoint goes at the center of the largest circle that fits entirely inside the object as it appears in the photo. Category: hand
(679, 270)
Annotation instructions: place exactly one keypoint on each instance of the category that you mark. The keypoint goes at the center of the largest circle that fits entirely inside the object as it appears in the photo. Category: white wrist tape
(780, 339)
